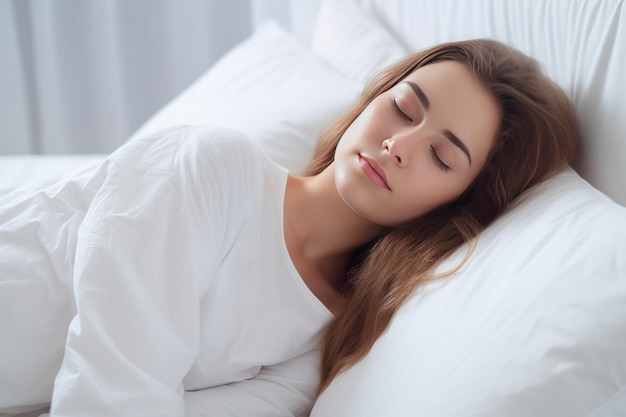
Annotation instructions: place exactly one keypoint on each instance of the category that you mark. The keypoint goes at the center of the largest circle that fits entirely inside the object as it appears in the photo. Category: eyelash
(400, 112)
(438, 160)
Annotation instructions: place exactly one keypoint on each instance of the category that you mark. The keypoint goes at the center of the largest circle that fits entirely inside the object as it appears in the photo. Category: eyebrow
(458, 143)
(421, 96)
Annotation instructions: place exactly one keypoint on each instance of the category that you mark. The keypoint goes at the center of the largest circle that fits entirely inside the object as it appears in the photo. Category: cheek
(347, 140)
(369, 123)
(430, 193)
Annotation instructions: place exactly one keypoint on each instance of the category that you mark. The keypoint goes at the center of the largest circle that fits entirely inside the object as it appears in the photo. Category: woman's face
(416, 146)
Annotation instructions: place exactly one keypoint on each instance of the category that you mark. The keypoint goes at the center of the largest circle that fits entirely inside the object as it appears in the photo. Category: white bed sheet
(402, 17)
(20, 169)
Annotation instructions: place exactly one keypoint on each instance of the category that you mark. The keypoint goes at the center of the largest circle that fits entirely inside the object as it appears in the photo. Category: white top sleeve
(182, 282)
(140, 254)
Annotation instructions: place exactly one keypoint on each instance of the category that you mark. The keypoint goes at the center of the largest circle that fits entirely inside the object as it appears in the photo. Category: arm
(283, 390)
(135, 333)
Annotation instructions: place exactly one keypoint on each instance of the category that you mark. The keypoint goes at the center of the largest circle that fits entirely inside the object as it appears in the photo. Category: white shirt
(182, 281)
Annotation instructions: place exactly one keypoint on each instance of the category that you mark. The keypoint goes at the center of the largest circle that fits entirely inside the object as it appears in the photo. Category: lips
(373, 171)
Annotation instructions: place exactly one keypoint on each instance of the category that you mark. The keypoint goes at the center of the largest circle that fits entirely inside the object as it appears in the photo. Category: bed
(534, 324)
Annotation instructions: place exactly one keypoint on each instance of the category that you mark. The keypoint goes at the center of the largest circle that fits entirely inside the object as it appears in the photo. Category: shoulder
(190, 138)
(231, 150)
(227, 157)
(203, 157)
(192, 147)
(220, 142)
(195, 139)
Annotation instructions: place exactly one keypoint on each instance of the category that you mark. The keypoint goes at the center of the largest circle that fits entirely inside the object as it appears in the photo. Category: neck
(325, 230)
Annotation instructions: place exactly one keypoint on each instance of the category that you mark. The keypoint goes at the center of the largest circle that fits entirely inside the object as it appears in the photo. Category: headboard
(581, 44)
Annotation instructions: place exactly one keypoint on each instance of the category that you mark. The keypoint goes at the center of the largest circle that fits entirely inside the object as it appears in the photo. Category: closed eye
(438, 160)
(400, 112)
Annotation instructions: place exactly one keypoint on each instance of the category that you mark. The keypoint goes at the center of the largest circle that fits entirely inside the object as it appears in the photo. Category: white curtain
(79, 76)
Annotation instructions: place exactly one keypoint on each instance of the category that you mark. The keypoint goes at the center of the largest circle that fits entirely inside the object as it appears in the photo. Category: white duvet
(157, 283)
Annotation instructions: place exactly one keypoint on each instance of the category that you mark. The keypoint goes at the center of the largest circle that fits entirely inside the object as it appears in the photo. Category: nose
(400, 148)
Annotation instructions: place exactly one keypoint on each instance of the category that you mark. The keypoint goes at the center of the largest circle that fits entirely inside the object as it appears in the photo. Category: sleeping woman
(188, 275)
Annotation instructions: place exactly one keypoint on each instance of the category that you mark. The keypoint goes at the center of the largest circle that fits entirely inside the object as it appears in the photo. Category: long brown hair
(537, 137)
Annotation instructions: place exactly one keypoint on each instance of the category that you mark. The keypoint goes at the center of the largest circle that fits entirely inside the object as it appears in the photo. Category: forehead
(446, 73)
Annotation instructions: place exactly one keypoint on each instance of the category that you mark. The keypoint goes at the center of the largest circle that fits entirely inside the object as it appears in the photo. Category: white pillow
(271, 88)
(534, 324)
(353, 42)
